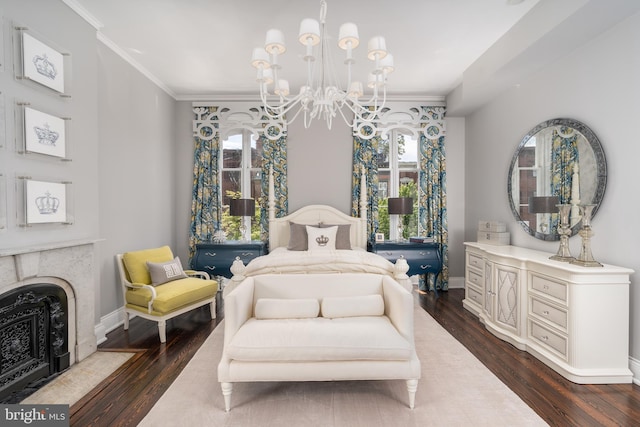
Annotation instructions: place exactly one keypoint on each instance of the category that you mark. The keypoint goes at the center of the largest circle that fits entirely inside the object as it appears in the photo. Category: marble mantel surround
(69, 265)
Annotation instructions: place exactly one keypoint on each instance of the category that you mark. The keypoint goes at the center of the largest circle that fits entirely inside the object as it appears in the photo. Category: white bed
(281, 260)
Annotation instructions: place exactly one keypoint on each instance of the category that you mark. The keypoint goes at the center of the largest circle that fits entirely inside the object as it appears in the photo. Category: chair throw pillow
(163, 272)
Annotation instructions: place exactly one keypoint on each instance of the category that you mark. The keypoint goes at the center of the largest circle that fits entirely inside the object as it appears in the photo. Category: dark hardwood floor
(128, 394)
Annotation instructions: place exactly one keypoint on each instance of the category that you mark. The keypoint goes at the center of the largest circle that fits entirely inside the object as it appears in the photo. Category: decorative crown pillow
(163, 272)
(321, 239)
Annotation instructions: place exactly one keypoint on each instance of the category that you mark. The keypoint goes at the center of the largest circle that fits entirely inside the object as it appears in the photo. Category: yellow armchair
(156, 288)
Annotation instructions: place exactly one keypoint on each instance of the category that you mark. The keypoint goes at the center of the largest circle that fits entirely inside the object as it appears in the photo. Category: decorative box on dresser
(574, 319)
(217, 258)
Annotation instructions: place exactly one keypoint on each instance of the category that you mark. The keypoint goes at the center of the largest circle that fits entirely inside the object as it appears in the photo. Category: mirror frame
(601, 172)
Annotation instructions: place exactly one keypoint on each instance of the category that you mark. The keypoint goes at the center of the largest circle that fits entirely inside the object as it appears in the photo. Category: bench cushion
(172, 295)
(319, 339)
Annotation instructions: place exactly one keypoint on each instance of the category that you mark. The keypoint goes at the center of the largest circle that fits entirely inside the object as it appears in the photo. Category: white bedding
(281, 260)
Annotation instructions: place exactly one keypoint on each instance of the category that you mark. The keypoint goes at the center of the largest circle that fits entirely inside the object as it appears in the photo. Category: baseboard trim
(634, 366)
(108, 323)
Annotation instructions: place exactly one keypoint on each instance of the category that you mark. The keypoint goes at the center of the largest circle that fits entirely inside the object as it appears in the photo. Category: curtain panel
(432, 192)
(274, 155)
(432, 188)
(564, 157)
(206, 200)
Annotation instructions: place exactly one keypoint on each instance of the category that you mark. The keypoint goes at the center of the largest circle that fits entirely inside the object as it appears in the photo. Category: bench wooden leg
(227, 388)
(126, 320)
(412, 386)
(213, 309)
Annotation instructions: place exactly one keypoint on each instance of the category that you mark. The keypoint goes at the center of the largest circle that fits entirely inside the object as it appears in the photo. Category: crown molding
(430, 99)
(84, 13)
(128, 58)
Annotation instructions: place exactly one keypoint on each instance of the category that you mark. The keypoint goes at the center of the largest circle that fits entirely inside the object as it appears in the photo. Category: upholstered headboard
(314, 215)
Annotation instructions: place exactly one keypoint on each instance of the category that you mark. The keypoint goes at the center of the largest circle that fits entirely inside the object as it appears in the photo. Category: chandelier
(322, 97)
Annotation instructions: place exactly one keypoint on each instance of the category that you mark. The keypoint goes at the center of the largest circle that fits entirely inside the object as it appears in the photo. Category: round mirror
(559, 161)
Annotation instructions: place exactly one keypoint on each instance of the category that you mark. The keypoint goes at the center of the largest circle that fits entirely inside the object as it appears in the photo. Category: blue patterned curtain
(365, 155)
(432, 192)
(206, 200)
(564, 156)
(274, 154)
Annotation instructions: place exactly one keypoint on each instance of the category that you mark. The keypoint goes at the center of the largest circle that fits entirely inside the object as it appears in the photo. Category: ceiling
(196, 49)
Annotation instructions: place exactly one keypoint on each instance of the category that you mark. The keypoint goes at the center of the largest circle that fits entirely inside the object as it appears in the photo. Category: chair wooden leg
(162, 330)
(227, 388)
(213, 309)
(126, 320)
(412, 386)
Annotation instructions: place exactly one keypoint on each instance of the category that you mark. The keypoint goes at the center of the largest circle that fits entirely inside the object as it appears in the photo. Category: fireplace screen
(33, 337)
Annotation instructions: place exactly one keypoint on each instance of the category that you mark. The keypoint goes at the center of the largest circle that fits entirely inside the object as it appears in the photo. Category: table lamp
(400, 206)
(243, 208)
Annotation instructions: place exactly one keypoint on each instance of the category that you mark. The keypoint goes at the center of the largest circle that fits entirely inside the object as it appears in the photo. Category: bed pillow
(277, 308)
(321, 239)
(297, 237)
(163, 272)
(343, 237)
(365, 305)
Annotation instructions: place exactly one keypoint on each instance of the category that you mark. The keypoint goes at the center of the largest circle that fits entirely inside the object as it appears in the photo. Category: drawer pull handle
(545, 287)
(210, 253)
(423, 253)
(546, 312)
(209, 267)
(388, 253)
(424, 267)
(247, 253)
(544, 338)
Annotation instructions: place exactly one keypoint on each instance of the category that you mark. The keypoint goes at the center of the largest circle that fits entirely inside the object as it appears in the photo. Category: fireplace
(47, 312)
(33, 336)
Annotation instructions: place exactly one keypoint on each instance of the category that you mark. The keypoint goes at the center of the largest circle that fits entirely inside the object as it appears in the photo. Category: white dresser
(574, 319)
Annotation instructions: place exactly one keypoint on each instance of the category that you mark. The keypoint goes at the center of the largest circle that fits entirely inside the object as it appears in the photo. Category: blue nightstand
(422, 257)
(216, 258)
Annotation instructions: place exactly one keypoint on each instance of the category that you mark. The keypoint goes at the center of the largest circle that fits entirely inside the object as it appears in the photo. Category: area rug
(80, 379)
(456, 389)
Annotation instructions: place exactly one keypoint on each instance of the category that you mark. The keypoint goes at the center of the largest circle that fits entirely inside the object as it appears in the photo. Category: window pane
(407, 152)
(383, 154)
(230, 186)
(232, 151)
(256, 152)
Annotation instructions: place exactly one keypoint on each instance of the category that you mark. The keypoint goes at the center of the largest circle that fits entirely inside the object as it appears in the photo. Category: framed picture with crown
(41, 62)
(44, 133)
(45, 202)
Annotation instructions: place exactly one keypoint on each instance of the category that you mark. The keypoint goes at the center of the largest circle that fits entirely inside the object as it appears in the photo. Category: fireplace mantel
(69, 265)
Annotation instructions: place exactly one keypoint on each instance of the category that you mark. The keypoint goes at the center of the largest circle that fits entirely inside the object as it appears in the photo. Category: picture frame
(379, 237)
(46, 202)
(44, 133)
(42, 63)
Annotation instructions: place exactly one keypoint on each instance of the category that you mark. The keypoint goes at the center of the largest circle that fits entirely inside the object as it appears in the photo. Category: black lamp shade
(543, 204)
(400, 205)
(242, 207)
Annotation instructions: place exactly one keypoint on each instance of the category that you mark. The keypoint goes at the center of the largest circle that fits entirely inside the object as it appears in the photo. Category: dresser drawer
(548, 338)
(474, 277)
(545, 285)
(474, 296)
(550, 313)
(474, 260)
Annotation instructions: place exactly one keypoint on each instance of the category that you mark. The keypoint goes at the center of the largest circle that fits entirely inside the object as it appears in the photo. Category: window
(241, 177)
(397, 177)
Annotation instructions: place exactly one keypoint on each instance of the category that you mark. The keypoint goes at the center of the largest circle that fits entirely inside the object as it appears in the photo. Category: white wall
(598, 85)
(137, 188)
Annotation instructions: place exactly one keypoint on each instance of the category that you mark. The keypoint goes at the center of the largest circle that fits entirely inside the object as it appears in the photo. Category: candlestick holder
(564, 230)
(585, 258)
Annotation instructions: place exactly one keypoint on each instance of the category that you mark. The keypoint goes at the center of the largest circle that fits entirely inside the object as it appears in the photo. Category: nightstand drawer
(421, 257)
(217, 258)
